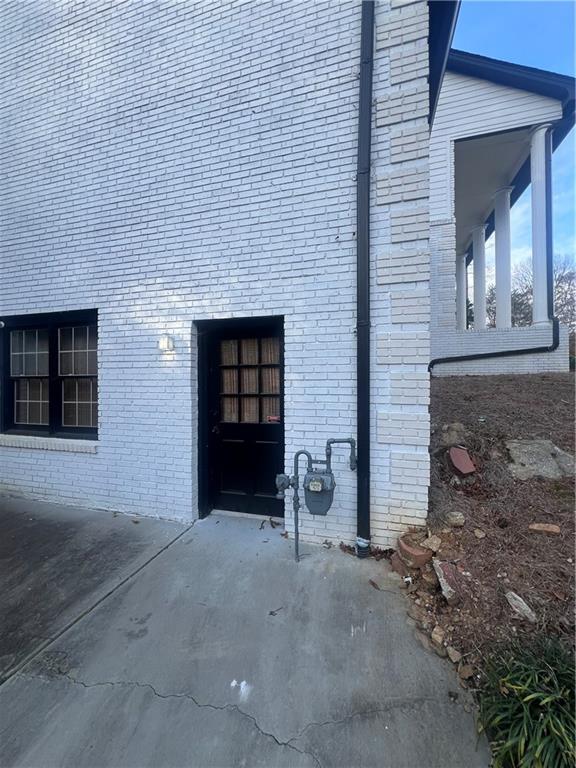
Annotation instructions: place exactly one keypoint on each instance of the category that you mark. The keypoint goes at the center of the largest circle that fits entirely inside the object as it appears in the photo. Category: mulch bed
(503, 554)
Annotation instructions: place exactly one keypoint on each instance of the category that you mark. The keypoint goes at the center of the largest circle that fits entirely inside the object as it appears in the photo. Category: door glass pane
(250, 410)
(229, 352)
(249, 378)
(270, 410)
(270, 351)
(229, 381)
(229, 409)
(271, 381)
(249, 351)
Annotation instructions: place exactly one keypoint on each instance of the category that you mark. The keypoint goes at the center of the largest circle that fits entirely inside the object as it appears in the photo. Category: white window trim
(48, 443)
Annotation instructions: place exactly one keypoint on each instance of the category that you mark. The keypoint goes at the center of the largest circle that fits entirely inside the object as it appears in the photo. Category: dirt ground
(495, 551)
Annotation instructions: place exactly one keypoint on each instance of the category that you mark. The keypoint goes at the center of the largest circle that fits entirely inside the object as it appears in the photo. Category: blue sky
(536, 33)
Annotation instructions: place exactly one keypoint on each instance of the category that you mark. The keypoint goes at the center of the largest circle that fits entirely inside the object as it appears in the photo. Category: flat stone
(447, 576)
(461, 461)
(479, 533)
(432, 542)
(539, 458)
(544, 528)
(466, 671)
(454, 655)
(437, 636)
(520, 607)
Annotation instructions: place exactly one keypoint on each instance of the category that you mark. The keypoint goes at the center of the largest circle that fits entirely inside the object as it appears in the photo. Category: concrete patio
(210, 646)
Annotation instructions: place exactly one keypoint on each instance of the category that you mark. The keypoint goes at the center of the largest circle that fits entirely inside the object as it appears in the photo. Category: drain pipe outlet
(363, 279)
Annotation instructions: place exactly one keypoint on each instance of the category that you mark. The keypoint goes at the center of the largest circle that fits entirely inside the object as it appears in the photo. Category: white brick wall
(173, 162)
(401, 294)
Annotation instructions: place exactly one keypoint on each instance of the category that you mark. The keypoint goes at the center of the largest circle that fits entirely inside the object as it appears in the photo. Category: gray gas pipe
(319, 484)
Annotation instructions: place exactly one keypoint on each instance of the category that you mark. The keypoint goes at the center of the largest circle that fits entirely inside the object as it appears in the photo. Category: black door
(244, 425)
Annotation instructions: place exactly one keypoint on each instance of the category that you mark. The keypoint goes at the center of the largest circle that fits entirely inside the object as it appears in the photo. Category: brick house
(215, 253)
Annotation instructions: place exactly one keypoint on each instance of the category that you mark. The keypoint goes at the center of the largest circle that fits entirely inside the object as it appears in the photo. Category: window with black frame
(50, 374)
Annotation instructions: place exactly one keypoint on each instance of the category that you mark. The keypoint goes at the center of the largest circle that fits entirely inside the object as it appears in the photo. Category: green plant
(527, 705)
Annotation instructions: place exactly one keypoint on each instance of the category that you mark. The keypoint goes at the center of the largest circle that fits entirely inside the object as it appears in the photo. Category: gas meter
(319, 484)
(319, 491)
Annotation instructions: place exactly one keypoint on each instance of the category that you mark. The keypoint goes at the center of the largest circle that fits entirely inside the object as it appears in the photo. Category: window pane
(229, 408)
(30, 368)
(229, 381)
(16, 365)
(80, 337)
(84, 390)
(271, 381)
(69, 415)
(250, 409)
(16, 341)
(21, 413)
(270, 350)
(65, 339)
(30, 341)
(43, 363)
(34, 389)
(33, 412)
(229, 352)
(84, 415)
(249, 380)
(94, 415)
(249, 351)
(69, 389)
(92, 363)
(65, 363)
(92, 337)
(43, 341)
(80, 362)
(271, 410)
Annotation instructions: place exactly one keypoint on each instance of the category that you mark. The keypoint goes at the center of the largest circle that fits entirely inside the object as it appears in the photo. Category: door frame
(206, 330)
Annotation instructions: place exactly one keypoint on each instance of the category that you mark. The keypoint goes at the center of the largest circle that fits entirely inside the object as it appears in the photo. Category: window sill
(48, 443)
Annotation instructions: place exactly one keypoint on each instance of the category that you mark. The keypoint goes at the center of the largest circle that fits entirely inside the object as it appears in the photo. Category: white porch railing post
(503, 265)
(540, 224)
(461, 291)
(479, 263)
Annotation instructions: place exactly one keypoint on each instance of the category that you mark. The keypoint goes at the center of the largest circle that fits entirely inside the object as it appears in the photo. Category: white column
(461, 292)
(479, 262)
(540, 223)
(503, 265)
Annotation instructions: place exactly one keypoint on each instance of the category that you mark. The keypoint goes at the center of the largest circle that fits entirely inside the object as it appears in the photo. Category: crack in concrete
(189, 696)
(392, 703)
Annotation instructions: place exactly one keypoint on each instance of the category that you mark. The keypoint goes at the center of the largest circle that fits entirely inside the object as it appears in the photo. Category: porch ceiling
(483, 166)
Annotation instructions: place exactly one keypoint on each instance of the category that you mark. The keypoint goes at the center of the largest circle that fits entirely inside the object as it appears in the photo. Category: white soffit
(484, 165)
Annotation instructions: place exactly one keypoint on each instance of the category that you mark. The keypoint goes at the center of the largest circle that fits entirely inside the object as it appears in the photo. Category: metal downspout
(363, 278)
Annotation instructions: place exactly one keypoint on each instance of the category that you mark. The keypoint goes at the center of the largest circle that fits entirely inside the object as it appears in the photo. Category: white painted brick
(403, 185)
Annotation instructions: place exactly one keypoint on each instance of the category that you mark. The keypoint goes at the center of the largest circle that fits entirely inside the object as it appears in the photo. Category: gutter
(555, 340)
(363, 280)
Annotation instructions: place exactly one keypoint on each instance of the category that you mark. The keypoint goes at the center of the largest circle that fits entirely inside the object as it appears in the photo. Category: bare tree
(564, 293)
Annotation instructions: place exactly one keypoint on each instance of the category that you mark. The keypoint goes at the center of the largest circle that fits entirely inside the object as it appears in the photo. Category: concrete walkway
(222, 651)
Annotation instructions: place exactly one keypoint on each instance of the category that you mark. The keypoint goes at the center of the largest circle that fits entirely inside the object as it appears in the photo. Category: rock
(429, 579)
(453, 434)
(461, 461)
(479, 533)
(454, 655)
(398, 565)
(539, 458)
(544, 527)
(419, 615)
(432, 542)
(447, 576)
(413, 555)
(520, 607)
(437, 636)
(466, 671)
